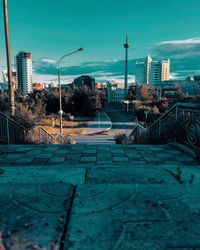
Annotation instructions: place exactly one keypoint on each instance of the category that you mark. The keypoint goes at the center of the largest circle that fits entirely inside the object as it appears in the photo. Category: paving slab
(127, 174)
(56, 174)
(113, 216)
(88, 159)
(57, 159)
(120, 159)
(45, 155)
(142, 197)
(33, 216)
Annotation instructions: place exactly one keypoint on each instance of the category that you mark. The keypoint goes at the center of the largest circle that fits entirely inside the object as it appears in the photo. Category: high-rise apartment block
(152, 72)
(24, 72)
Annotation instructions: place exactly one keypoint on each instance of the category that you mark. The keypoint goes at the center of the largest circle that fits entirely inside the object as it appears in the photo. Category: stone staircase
(99, 197)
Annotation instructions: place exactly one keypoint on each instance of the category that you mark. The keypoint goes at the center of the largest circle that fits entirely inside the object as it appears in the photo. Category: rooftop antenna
(126, 46)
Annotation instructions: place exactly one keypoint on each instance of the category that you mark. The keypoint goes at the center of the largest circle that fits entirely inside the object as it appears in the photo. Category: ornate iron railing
(10, 131)
(181, 122)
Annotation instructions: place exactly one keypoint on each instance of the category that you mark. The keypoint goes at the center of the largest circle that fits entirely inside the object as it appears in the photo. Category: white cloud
(178, 48)
(49, 61)
(174, 76)
(188, 42)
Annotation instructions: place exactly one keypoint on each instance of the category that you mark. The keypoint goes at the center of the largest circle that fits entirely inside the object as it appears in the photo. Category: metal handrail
(11, 120)
(141, 127)
(137, 133)
(60, 139)
(45, 136)
(11, 132)
(181, 122)
(177, 105)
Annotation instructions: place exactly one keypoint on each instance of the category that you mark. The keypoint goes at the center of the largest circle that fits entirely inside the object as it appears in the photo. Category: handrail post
(39, 134)
(7, 130)
(159, 128)
(24, 136)
(177, 115)
(137, 134)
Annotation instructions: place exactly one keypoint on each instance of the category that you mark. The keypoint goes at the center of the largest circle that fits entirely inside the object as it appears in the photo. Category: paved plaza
(93, 197)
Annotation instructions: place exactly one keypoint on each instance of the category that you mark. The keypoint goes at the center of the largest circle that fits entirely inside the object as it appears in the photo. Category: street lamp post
(9, 61)
(60, 91)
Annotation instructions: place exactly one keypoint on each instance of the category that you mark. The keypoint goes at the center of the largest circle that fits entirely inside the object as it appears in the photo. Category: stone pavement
(139, 197)
(51, 155)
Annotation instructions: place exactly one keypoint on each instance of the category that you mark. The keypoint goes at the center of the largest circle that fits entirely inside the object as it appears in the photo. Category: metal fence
(13, 133)
(10, 131)
(181, 122)
(46, 138)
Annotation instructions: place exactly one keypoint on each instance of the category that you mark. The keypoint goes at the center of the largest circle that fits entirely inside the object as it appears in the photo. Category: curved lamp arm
(80, 49)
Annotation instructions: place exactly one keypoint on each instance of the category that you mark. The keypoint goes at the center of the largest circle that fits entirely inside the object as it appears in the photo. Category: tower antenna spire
(126, 46)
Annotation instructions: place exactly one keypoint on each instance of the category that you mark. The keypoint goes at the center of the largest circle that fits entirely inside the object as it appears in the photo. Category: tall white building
(147, 69)
(152, 72)
(24, 72)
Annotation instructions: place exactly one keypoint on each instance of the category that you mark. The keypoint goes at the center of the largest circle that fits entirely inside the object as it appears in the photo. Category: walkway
(94, 197)
(100, 123)
(94, 133)
(122, 121)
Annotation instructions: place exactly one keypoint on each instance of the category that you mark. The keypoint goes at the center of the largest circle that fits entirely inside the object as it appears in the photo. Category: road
(100, 123)
(122, 122)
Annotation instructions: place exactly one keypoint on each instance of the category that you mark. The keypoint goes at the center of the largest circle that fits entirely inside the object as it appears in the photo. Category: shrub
(121, 138)
(24, 116)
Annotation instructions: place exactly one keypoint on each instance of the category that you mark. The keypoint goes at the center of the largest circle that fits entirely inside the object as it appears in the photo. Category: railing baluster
(45, 137)
(177, 114)
(10, 131)
(7, 130)
(159, 128)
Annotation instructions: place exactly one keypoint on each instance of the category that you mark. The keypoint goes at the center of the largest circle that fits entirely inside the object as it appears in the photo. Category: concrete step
(95, 140)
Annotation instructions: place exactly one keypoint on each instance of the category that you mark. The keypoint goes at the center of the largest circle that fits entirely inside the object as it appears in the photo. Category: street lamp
(9, 60)
(59, 83)
(127, 102)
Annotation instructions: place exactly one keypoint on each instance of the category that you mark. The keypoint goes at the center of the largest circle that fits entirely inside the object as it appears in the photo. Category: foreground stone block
(126, 174)
(138, 217)
(33, 216)
(56, 174)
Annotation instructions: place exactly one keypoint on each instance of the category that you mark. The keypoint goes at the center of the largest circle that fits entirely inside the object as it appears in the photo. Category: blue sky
(49, 29)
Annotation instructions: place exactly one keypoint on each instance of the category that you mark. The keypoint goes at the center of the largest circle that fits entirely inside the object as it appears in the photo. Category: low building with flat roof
(115, 92)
